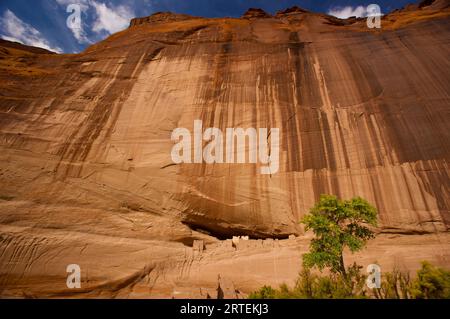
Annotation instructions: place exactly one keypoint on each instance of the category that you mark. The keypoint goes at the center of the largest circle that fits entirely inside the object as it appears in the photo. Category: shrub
(431, 283)
(266, 292)
(395, 285)
(312, 286)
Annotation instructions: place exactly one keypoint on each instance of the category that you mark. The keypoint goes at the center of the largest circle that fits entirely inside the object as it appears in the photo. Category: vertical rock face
(86, 139)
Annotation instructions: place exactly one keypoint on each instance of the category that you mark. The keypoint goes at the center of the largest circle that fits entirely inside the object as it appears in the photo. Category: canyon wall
(86, 173)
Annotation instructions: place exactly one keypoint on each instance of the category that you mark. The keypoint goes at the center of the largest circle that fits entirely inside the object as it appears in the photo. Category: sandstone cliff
(86, 175)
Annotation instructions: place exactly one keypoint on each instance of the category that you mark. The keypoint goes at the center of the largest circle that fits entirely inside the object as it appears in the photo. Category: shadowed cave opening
(227, 232)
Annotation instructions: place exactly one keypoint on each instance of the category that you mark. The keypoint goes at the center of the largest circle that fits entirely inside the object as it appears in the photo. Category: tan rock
(87, 178)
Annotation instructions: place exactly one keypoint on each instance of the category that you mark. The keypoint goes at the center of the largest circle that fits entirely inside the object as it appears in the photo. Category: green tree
(431, 283)
(337, 224)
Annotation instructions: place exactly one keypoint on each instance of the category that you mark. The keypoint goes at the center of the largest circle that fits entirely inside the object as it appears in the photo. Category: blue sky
(43, 23)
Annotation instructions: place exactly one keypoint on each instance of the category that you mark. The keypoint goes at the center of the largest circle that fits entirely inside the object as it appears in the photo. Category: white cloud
(80, 34)
(348, 11)
(78, 31)
(83, 3)
(107, 18)
(16, 30)
(112, 19)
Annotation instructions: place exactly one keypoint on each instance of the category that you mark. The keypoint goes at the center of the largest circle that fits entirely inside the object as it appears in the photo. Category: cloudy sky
(43, 23)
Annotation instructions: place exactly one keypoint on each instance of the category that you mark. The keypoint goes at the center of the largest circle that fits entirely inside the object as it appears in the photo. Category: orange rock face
(86, 173)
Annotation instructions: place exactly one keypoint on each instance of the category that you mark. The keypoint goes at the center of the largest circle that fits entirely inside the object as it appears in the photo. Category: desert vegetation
(339, 224)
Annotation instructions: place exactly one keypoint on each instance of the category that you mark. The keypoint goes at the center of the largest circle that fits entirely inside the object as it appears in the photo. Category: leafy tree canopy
(337, 224)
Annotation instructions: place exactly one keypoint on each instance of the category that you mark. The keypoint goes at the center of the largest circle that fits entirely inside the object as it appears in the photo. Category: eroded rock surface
(86, 173)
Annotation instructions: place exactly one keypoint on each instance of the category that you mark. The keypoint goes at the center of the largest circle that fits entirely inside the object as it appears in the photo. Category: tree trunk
(342, 266)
